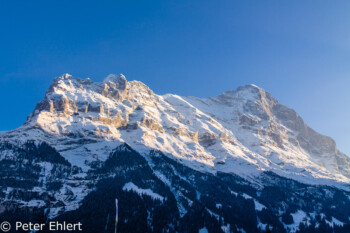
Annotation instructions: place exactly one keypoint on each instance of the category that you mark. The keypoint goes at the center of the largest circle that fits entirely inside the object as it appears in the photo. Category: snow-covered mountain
(244, 133)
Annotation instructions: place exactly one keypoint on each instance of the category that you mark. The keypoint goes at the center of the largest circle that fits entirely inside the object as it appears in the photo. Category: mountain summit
(235, 159)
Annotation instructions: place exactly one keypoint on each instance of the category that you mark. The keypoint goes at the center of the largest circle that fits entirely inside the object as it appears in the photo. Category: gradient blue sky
(299, 51)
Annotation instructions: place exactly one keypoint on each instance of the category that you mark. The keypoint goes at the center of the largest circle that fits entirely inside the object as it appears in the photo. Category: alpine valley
(238, 162)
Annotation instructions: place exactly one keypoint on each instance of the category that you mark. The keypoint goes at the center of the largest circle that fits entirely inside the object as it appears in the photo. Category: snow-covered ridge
(245, 131)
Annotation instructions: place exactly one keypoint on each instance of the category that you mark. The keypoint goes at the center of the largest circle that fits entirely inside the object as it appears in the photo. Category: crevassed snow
(131, 186)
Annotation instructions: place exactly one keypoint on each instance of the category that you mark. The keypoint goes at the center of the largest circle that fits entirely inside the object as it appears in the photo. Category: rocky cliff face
(243, 141)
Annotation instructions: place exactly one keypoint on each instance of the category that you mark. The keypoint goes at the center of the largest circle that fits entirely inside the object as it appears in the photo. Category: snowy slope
(244, 132)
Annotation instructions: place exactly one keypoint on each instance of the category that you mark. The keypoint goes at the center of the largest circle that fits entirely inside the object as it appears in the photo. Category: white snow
(259, 206)
(36, 203)
(226, 228)
(213, 214)
(261, 225)
(246, 196)
(131, 186)
(298, 218)
(240, 230)
(203, 230)
(178, 195)
(334, 222)
(234, 193)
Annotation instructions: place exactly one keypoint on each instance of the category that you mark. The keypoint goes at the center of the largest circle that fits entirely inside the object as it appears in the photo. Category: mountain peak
(114, 78)
(66, 76)
(63, 77)
(251, 88)
(250, 92)
(118, 80)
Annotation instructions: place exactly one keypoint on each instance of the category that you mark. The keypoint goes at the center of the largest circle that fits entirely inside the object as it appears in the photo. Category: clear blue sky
(299, 51)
